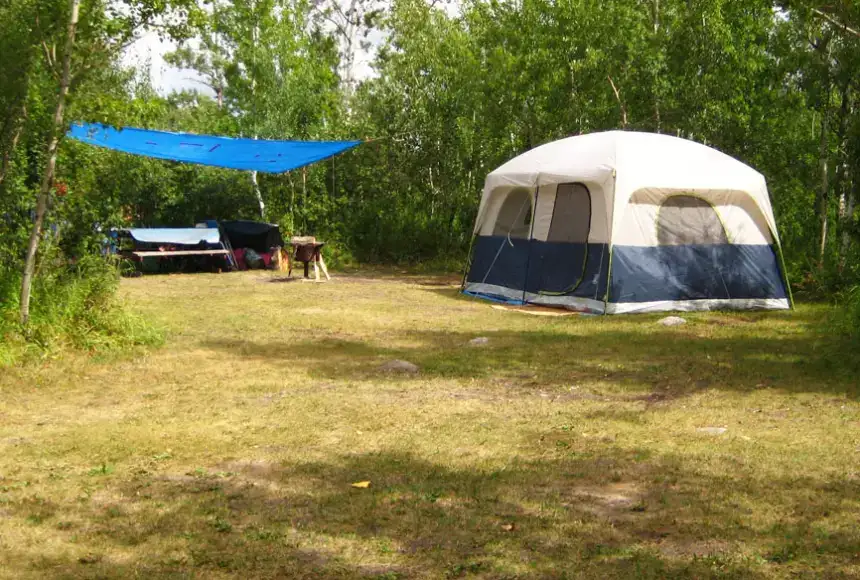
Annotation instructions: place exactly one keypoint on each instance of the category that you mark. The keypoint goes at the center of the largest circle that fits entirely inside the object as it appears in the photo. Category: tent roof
(248, 154)
(635, 161)
(653, 160)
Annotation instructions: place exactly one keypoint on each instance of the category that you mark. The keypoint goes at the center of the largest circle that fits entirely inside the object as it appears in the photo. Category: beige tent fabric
(615, 167)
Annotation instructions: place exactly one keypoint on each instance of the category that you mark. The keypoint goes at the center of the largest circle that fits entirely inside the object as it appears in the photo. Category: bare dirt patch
(615, 501)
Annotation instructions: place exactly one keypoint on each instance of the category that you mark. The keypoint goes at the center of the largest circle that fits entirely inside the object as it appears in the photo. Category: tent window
(515, 215)
(687, 220)
(571, 215)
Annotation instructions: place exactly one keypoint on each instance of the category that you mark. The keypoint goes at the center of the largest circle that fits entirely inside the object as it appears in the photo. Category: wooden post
(304, 196)
(324, 269)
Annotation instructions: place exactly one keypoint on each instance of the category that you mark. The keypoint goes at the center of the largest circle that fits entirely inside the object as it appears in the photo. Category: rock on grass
(399, 366)
(672, 321)
(480, 341)
(712, 430)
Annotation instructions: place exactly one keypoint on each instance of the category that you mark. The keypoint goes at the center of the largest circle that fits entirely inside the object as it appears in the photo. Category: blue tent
(247, 154)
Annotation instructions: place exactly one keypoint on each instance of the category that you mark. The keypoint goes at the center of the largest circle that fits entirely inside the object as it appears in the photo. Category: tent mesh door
(685, 220)
(571, 215)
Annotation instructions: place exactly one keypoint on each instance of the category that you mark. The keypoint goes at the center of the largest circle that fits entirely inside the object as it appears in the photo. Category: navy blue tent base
(496, 299)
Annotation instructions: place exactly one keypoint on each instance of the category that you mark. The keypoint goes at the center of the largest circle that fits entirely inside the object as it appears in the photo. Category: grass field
(565, 447)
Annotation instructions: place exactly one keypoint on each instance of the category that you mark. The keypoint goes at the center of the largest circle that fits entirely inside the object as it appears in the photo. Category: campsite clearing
(585, 447)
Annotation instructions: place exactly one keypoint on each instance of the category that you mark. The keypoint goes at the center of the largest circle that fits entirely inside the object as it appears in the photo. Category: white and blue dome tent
(624, 222)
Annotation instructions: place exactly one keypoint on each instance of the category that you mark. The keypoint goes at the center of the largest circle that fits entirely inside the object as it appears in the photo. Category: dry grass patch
(563, 447)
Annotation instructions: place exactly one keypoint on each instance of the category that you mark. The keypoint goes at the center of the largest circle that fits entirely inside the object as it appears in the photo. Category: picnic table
(150, 254)
(168, 254)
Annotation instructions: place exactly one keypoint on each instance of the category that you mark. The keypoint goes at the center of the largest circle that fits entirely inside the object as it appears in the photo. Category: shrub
(73, 306)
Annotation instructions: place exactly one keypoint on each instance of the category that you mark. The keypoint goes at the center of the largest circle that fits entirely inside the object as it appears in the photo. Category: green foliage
(77, 291)
(74, 306)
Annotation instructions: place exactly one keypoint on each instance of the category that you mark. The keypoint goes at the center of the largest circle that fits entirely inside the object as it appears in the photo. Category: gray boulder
(399, 366)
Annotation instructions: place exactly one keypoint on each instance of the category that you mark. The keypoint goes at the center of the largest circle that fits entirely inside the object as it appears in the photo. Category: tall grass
(74, 306)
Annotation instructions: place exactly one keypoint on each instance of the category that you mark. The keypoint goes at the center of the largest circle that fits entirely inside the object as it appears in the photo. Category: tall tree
(51, 164)
(106, 31)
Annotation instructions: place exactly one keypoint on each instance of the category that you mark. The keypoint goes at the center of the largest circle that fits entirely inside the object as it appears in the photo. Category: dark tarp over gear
(260, 237)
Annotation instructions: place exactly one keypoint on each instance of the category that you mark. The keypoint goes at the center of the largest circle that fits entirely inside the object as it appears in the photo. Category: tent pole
(468, 263)
(610, 243)
(531, 239)
(225, 243)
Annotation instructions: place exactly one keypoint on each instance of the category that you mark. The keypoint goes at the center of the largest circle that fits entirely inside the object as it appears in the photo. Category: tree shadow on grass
(600, 512)
(662, 364)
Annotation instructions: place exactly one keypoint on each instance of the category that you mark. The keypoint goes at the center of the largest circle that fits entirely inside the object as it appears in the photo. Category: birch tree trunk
(256, 185)
(848, 219)
(50, 166)
(824, 49)
(824, 171)
(304, 198)
(846, 176)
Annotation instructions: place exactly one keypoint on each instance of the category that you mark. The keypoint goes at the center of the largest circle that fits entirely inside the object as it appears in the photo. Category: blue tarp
(184, 236)
(247, 154)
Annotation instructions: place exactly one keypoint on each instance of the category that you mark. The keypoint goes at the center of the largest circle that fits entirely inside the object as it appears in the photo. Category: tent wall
(675, 246)
(537, 268)
(694, 272)
(743, 219)
(531, 269)
(660, 163)
(544, 205)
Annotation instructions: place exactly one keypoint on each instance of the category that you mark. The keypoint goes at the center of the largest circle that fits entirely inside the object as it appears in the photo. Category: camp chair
(281, 259)
(308, 250)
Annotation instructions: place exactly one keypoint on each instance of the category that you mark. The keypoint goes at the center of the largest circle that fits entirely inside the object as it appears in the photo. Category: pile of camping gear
(254, 245)
(211, 246)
